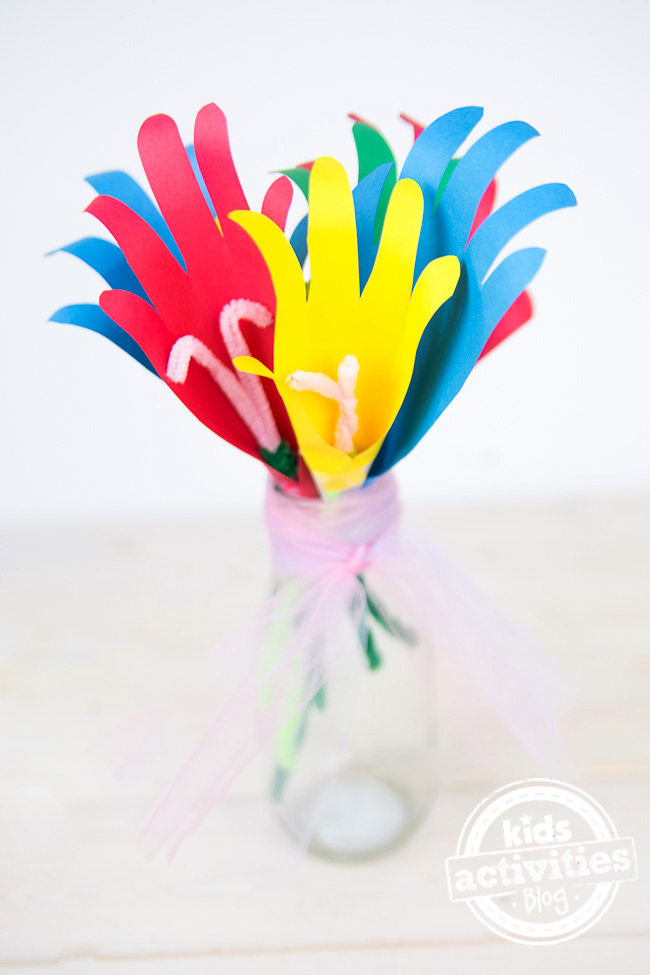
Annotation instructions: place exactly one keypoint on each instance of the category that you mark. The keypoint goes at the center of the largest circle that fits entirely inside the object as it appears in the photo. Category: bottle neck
(311, 536)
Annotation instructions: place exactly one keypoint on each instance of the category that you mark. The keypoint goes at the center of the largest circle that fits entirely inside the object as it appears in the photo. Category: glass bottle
(354, 769)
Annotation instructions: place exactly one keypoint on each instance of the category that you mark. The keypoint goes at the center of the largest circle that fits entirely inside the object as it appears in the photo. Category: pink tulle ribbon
(319, 551)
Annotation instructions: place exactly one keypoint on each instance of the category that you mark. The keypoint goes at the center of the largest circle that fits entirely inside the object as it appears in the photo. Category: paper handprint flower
(374, 154)
(472, 322)
(458, 219)
(190, 290)
(367, 339)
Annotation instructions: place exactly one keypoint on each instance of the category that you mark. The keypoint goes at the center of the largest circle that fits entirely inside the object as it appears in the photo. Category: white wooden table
(90, 613)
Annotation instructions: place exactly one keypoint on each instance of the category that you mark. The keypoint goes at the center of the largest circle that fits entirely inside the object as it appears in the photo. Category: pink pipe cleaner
(342, 392)
(188, 347)
(232, 314)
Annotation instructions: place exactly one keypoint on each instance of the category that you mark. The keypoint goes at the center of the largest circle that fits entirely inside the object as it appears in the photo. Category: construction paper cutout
(520, 312)
(509, 280)
(499, 228)
(95, 320)
(435, 147)
(372, 148)
(212, 148)
(381, 328)
(157, 270)
(177, 302)
(484, 208)
(446, 176)
(487, 200)
(123, 187)
(198, 175)
(200, 394)
(177, 192)
(332, 239)
(360, 118)
(108, 260)
(456, 338)
(367, 195)
(522, 308)
(372, 152)
(222, 265)
(426, 164)
(299, 240)
(277, 201)
(417, 128)
(472, 176)
(300, 175)
(461, 331)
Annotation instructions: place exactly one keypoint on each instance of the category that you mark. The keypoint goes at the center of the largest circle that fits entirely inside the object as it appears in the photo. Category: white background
(561, 409)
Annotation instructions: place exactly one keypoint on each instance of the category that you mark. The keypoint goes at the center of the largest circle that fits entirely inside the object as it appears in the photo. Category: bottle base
(356, 816)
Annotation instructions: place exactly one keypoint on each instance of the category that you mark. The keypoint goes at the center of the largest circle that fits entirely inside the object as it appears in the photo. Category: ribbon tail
(283, 679)
(485, 658)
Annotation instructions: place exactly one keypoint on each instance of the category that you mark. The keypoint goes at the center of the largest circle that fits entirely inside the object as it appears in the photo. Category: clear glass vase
(354, 770)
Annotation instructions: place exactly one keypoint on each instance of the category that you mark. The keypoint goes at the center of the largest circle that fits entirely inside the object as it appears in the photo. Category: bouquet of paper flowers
(327, 354)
